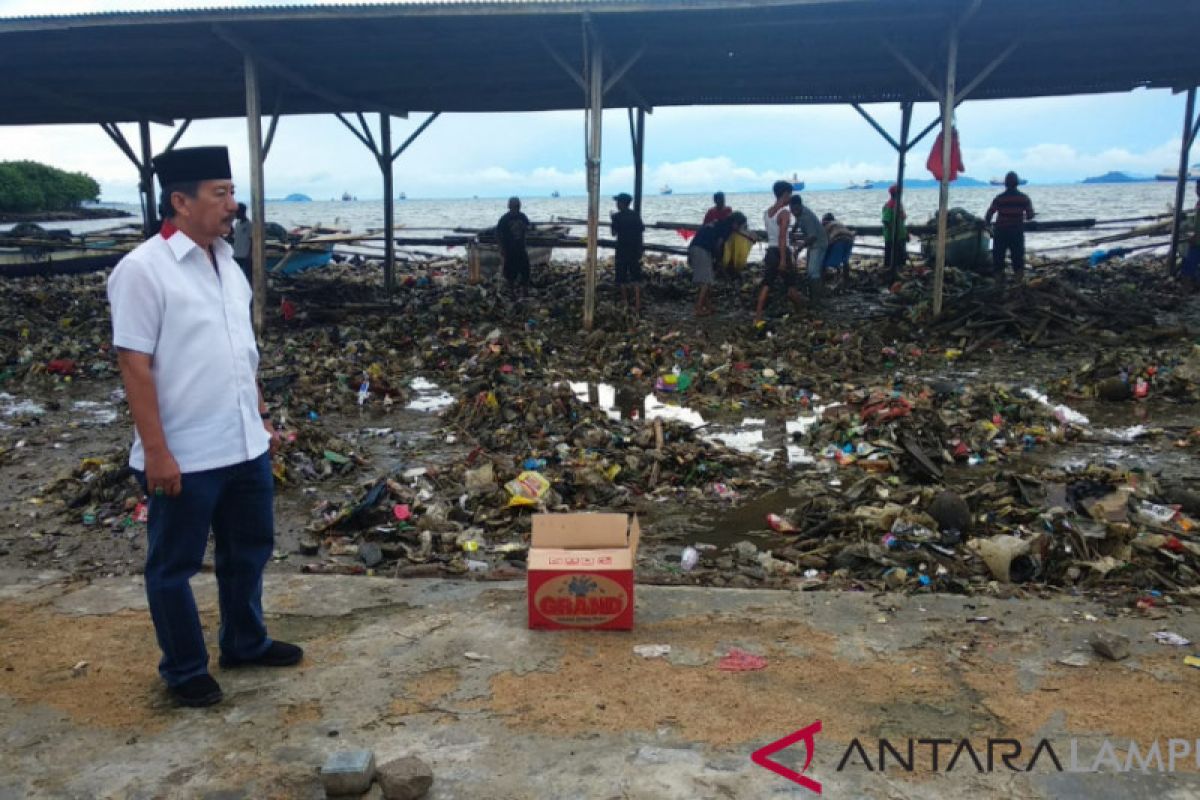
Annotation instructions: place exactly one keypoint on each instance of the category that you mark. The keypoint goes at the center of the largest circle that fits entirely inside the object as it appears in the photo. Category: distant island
(927, 183)
(31, 191)
(296, 198)
(1116, 177)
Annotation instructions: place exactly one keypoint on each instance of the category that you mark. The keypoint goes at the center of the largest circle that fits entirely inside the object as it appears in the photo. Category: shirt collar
(180, 243)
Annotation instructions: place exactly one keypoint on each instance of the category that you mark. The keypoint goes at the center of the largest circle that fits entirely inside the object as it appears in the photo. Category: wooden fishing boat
(539, 244)
(29, 249)
(968, 243)
(18, 262)
(58, 252)
(304, 248)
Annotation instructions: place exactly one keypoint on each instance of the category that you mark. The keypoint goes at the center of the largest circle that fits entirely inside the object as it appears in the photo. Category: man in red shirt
(719, 211)
(1011, 208)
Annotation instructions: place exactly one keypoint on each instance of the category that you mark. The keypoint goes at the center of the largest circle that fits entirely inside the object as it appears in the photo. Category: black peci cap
(192, 164)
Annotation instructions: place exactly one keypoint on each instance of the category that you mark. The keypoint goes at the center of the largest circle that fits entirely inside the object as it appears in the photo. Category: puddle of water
(429, 396)
(95, 413)
(1062, 412)
(748, 521)
(1132, 433)
(12, 407)
(759, 436)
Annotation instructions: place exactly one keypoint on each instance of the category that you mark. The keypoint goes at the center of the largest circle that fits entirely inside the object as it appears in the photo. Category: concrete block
(407, 778)
(348, 772)
(1112, 646)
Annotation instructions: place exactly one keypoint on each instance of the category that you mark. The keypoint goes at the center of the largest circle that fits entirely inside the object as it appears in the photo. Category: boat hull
(967, 247)
(17, 264)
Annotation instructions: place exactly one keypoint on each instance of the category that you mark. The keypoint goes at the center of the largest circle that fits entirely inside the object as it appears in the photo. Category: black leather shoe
(279, 654)
(197, 692)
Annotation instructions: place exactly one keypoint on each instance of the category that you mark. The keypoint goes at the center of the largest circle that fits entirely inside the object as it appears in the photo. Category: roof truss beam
(295, 78)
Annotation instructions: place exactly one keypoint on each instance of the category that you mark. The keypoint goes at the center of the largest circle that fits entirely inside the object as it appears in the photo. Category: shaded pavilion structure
(432, 58)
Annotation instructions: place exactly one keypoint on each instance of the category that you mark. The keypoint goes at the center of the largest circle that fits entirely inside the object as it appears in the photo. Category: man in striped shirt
(1011, 209)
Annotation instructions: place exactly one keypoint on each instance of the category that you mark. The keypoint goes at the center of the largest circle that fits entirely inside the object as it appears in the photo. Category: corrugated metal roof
(506, 56)
(399, 8)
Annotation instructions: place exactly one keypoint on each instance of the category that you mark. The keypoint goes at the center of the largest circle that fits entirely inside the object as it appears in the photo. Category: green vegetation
(27, 186)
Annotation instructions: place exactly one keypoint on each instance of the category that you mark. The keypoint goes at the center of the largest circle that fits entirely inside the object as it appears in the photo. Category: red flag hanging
(685, 234)
(934, 164)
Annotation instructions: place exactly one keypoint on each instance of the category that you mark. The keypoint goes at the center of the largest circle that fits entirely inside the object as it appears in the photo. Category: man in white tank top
(777, 263)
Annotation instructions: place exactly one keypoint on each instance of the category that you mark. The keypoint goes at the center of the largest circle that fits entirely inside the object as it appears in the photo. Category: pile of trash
(1051, 308)
(100, 491)
(1096, 529)
(536, 449)
(1124, 374)
(544, 448)
(55, 329)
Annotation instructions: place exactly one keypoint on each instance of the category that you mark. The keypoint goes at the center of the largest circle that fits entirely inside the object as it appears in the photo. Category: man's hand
(162, 474)
(274, 434)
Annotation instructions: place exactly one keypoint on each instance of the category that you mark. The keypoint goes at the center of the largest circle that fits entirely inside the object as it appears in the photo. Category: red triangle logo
(806, 735)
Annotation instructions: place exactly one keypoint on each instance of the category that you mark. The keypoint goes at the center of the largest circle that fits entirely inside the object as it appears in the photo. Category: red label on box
(581, 599)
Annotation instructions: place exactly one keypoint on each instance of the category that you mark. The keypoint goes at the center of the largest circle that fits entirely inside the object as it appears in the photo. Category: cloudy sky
(692, 149)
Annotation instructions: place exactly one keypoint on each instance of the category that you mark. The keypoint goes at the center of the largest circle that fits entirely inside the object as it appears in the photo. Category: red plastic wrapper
(738, 660)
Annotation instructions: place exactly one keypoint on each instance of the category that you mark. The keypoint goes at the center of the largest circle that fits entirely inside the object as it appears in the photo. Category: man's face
(211, 212)
(514, 205)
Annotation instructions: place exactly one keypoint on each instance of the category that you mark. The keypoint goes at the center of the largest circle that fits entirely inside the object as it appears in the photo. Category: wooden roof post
(639, 151)
(386, 160)
(595, 96)
(1189, 134)
(146, 183)
(948, 97)
(258, 210)
(900, 246)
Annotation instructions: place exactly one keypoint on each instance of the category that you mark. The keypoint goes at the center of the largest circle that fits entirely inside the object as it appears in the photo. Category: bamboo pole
(385, 159)
(939, 270)
(595, 112)
(258, 210)
(900, 245)
(1181, 181)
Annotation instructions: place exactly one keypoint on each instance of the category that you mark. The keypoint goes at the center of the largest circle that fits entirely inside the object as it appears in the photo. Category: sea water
(435, 217)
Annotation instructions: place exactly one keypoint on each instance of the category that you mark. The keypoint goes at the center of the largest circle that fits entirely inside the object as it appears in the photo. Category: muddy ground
(446, 671)
(50, 424)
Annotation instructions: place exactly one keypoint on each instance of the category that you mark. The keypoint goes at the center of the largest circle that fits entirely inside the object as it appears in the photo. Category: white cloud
(1055, 161)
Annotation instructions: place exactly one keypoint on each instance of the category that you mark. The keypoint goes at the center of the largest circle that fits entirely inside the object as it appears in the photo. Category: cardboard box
(581, 571)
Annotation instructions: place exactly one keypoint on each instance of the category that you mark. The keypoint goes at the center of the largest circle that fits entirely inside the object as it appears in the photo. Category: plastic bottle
(689, 558)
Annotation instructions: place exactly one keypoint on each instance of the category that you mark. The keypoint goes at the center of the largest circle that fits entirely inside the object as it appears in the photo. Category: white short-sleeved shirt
(169, 302)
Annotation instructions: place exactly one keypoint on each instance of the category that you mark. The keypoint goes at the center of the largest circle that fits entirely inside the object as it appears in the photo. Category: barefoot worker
(202, 434)
(1011, 208)
(778, 266)
(628, 229)
(511, 231)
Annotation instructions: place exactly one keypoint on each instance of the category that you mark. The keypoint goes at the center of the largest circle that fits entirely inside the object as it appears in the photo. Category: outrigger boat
(29, 249)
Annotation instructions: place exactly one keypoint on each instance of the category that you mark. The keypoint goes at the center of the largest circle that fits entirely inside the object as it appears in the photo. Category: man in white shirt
(202, 433)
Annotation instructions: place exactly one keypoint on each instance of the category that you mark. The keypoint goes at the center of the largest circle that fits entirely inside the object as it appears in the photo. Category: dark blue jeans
(237, 503)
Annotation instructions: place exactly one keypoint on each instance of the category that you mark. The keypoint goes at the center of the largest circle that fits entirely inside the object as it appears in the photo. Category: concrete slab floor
(447, 671)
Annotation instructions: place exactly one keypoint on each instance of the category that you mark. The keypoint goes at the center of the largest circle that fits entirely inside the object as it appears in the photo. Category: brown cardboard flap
(584, 531)
(564, 560)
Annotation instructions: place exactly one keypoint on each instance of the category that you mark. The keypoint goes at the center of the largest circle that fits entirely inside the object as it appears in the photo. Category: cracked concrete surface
(579, 715)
